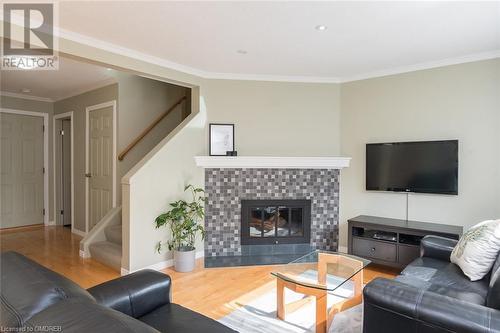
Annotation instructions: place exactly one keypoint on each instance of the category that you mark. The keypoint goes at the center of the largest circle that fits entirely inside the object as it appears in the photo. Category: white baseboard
(51, 223)
(78, 232)
(84, 255)
(160, 265)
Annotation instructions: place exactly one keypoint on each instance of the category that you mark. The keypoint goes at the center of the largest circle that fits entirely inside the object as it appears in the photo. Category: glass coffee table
(319, 274)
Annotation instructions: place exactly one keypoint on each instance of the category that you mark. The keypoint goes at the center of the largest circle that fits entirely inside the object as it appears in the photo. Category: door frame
(45, 117)
(89, 109)
(57, 117)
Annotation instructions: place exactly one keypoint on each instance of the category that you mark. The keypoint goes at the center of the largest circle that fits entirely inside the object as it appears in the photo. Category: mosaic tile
(225, 188)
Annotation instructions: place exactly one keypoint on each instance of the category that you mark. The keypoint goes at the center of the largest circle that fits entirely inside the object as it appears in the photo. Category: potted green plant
(182, 219)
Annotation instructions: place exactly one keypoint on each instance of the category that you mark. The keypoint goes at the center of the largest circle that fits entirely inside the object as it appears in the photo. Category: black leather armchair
(433, 295)
(34, 298)
(146, 295)
(135, 294)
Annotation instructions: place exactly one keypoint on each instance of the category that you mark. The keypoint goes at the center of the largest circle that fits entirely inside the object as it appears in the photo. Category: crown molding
(424, 65)
(118, 49)
(24, 96)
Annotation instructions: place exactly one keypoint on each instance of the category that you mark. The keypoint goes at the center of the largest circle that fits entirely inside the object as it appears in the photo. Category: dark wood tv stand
(392, 242)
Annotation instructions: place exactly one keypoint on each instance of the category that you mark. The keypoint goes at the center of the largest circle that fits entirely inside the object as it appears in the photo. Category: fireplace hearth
(275, 222)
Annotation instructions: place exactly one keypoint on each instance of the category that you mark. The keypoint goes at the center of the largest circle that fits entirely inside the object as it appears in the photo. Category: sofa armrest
(135, 294)
(437, 247)
(392, 306)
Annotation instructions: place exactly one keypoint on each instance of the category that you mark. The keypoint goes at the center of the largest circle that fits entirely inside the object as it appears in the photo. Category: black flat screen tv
(422, 167)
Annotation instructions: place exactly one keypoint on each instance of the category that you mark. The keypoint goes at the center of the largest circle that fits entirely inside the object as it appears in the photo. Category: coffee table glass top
(309, 270)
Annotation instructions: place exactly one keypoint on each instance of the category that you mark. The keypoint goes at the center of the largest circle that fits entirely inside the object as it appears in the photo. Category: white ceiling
(73, 77)
(363, 39)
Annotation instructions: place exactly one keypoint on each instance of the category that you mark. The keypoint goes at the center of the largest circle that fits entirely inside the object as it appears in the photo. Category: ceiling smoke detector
(321, 27)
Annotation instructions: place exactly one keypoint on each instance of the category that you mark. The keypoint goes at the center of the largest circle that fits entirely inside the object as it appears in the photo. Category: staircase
(109, 251)
(103, 242)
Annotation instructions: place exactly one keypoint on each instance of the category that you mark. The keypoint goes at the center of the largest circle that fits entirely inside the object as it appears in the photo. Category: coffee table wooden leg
(280, 300)
(321, 314)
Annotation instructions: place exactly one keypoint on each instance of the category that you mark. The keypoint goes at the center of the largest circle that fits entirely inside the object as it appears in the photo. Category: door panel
(101, 163)
(21, 170)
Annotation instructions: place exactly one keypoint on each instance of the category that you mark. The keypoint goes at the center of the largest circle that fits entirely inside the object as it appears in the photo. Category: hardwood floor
(58, 249)
(214, 292)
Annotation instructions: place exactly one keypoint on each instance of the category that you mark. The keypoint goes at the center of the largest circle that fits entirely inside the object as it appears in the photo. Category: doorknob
(88, 175)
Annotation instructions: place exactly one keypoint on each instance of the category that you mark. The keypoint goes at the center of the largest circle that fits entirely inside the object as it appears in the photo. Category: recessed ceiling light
(109, 69)
(321, 27)
(26, 90)
(242, 51)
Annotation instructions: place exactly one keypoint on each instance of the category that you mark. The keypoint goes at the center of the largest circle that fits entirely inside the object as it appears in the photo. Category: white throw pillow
(477, 249)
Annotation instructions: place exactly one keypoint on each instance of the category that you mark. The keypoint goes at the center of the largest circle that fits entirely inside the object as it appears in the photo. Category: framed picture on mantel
(221, 139)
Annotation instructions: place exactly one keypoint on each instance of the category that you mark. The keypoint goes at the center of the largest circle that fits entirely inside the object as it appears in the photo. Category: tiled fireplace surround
(226, 187)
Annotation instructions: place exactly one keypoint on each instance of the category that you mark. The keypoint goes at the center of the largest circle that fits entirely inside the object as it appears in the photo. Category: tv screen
(424, 167)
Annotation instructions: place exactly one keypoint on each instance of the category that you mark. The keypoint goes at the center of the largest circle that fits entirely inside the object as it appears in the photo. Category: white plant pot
(184, 261)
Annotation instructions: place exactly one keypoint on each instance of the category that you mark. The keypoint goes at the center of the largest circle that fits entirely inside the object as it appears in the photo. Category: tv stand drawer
(374, 249)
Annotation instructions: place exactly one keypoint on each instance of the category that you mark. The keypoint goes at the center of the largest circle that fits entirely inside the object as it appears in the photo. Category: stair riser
(113, 235)
(107, 255)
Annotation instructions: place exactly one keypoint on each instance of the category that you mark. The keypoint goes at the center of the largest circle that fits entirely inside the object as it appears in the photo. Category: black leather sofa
(34, 298)
(433, 295)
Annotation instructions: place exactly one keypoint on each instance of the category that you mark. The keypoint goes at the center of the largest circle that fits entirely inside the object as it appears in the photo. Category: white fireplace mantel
(273, 162)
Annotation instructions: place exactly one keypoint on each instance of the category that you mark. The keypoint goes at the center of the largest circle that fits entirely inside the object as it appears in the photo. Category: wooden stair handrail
(148, 129)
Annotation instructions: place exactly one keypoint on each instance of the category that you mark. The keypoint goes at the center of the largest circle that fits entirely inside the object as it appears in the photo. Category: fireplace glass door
(275, 221)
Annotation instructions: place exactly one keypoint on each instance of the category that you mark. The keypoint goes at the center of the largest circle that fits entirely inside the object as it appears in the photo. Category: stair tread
(107, 253)
(114, 233)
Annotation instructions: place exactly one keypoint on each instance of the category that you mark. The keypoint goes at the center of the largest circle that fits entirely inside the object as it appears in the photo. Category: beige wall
(141, 101)
(77, 104)
(7, 102)
(455, 102)
(277, 118)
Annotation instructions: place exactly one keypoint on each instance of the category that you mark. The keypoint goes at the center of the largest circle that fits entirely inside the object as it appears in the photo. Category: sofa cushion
(444, 278)
(477, 249)
(74, 315)
(175, 318)
(28, 288)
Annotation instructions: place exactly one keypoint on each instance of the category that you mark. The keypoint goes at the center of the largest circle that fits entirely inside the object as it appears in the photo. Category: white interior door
(22, 171)
(100, 171)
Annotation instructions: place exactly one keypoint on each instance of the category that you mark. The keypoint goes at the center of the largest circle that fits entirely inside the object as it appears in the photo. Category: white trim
(422, 66)
(78, 232)
(272, 162)
(160, 265)
(45, 155)
(343, 249)
(273, 78)
(51, 223)
(24, 96)
(87, 166)
(121, 50)
(117, 49)
(72, 177)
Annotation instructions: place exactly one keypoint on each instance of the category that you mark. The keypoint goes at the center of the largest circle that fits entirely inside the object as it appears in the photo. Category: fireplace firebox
(275, 222)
